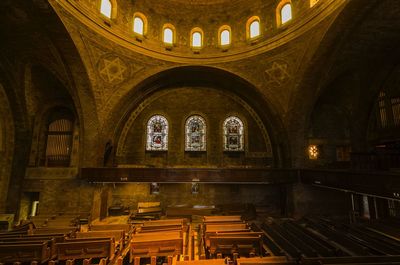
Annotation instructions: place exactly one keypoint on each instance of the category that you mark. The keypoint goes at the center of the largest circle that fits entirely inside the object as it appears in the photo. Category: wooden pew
(351, 260)
(117, 235)
(53, 230)
(245, 244)
(222, 219)
(85, 248)
(283, 243)
(25, 252)
(322, 249)
(265, 261)
(51, 242)
(101, 227)
(347, 243)
(226, 227)
(161, 225)
(297, 240)
(169, 243)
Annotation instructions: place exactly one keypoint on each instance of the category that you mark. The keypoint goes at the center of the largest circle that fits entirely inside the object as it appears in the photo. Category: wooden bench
(25, 252)
(53, 230)
(265, 261)
(169, 243)
(222, 219)
(117, 235)
(245, 244)
(226, 227)
(164, 222)
(351, 260)
(287, 246)
(51, 242)
(101, 227)
(160, 225)
(85, 248)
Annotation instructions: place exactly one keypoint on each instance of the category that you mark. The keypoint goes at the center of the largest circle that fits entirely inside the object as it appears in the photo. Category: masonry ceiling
(288, 70)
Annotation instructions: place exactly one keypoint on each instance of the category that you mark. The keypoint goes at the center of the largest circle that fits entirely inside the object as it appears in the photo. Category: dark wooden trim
(181, 175)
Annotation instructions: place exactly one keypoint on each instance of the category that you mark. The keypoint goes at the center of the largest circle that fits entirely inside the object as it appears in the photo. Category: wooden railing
(385, 184)
(179, 175)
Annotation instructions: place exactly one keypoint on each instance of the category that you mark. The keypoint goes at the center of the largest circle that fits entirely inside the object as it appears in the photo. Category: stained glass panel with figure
(157, 134)
(195, 139)
(233, 134)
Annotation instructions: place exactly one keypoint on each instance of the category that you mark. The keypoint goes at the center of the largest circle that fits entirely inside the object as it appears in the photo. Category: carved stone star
(278, 73)
(113, 69)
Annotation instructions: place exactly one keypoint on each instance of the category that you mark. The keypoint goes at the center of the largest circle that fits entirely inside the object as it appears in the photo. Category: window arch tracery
(157, 134)
(195, 134)
(233, 134)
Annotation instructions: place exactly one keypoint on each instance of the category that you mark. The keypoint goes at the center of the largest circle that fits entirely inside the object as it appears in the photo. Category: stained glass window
(157, 134)
(195, 139)
(233, 134)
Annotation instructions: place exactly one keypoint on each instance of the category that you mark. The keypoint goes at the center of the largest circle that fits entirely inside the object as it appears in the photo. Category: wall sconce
(313, 152)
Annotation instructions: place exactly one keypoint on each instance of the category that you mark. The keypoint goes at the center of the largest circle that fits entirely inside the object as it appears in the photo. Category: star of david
(278, 73)
(114, 69)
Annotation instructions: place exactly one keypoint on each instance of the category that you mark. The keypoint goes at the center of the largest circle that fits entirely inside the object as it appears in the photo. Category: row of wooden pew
(216, 240)
(230, 236)
(323, 241)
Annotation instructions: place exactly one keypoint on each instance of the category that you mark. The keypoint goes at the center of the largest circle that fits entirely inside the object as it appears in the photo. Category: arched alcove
(224, 83)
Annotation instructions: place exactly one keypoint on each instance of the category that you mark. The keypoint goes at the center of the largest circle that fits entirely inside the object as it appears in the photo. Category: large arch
(336, 57)
(209, 77)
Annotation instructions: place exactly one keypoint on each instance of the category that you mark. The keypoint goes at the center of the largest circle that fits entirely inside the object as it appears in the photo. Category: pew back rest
(25, 252)
(83, 249)
(116, 234)
(101, 227)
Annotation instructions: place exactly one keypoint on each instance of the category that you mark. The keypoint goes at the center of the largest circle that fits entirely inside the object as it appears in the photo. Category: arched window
(224, 36)
(196, 41)
(283, 12)
(59, 143)
(195, 134)
(106, 8)
(253, 27)
(157, 134)
(196, 38)
(138, 26)
(286, 13)
(233, 134)
(168, 34)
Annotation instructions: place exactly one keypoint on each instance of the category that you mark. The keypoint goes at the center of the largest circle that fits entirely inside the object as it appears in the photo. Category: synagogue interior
(199, 132)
